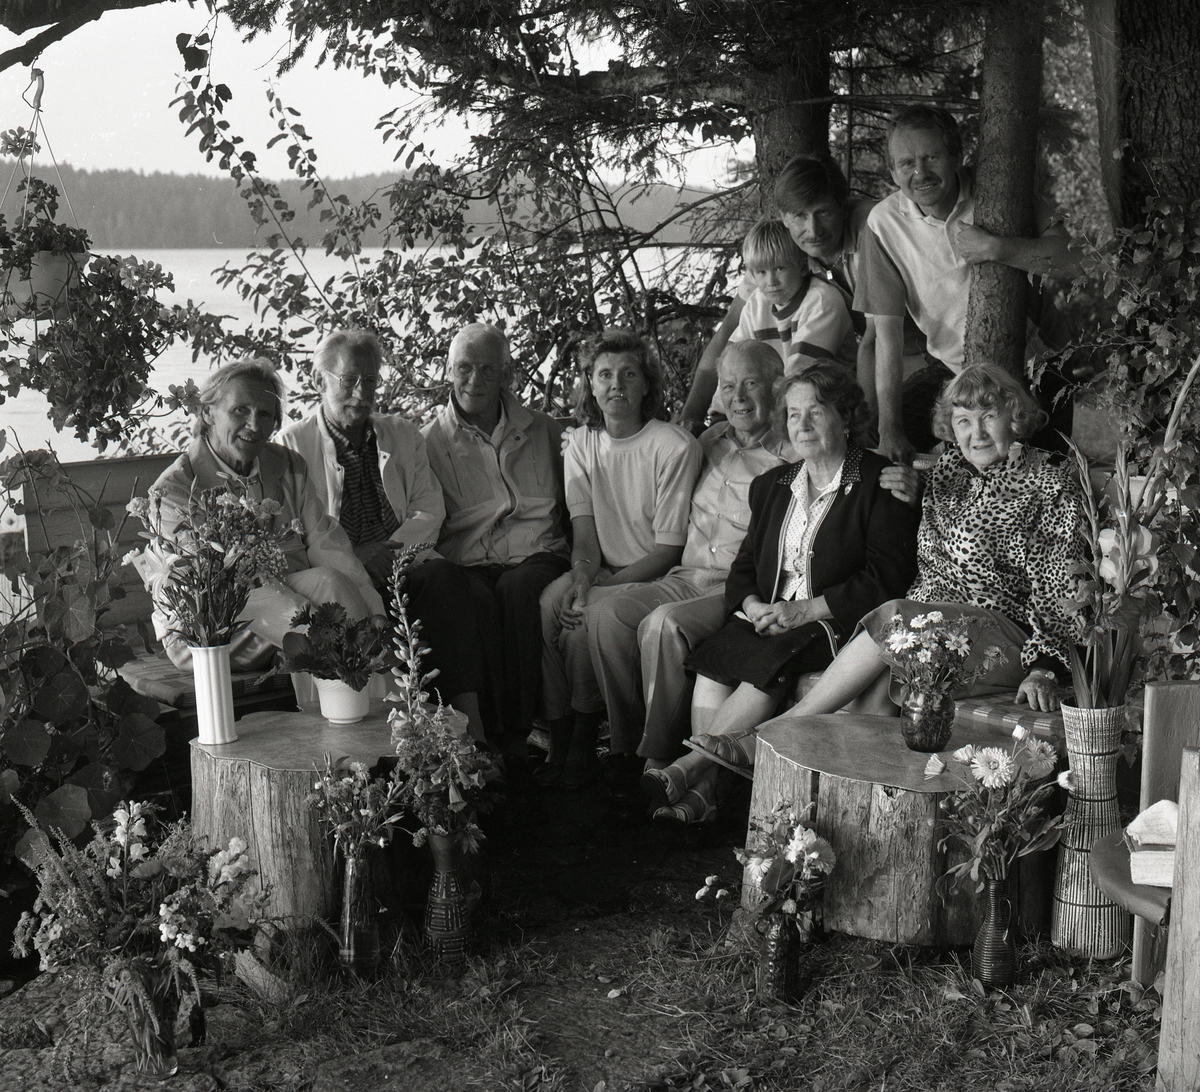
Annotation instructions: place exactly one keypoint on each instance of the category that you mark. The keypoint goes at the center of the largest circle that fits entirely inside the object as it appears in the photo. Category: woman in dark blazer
(827, 543)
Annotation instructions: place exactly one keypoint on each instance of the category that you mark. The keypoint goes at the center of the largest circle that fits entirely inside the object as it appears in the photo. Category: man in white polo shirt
(916, 257)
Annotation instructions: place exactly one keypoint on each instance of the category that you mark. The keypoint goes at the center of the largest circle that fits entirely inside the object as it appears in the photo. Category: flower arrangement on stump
(140, 912)
(928, 657)
(201, 573)
(792, 864)
(444, 776)
(339, 654)
(1005, 810)
(360, 811)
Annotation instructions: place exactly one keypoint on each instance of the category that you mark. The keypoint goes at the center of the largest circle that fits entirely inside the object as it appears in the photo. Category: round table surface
(858, 747)
(300, 741)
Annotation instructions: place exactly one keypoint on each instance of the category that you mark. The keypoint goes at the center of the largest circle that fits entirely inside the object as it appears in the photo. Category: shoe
(727, 751)
(662, 788)
(581, 776)
(692, 808)
(549, 776)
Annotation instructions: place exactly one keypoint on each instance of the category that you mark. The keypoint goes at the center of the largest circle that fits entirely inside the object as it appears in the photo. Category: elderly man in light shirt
(241, 405)
(640, 637)
(500, 468)
(373, 476)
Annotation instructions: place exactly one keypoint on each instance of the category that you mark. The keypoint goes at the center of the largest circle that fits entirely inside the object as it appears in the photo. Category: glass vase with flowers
(928, 657)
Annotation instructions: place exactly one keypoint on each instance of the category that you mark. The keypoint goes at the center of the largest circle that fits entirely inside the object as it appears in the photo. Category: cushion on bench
(156, 677)
(995, 713)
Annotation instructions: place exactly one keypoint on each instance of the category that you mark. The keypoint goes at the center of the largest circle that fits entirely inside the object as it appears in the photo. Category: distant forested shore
(127, 210)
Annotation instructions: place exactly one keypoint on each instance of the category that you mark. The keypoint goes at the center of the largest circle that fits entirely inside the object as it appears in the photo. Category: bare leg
(467, 703)
(857, 668)
(746, 708)
(707, 698)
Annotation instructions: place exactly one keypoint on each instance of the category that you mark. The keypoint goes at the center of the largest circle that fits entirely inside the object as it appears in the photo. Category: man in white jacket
(373, 474)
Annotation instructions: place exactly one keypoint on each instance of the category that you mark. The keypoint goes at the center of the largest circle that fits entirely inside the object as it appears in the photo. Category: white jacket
(408, 482)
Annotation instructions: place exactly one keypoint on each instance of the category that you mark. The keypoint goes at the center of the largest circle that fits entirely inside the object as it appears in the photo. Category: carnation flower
(994, 767)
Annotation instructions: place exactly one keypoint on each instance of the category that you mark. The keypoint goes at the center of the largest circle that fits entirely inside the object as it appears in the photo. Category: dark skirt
(736, 654)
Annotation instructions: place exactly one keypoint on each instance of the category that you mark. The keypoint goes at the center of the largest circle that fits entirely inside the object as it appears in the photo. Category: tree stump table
(877, 810)
(255, 788)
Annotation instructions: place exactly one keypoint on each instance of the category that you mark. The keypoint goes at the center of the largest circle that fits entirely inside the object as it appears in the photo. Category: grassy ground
(599, 970)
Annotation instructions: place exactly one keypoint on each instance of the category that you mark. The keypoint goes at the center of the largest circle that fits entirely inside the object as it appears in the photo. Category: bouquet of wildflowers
(202, 570)
(334, 647)
(443, 773)
(143, 908)
(790, 861)
(1003, 810)
(927, 655)
(359, 810)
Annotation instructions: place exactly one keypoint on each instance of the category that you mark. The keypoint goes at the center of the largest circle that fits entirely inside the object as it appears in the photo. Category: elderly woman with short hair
(1000, 534)
(828, 541)
(241, 406)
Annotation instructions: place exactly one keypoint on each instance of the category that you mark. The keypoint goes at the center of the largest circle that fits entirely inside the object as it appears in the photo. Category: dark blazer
(864, 553)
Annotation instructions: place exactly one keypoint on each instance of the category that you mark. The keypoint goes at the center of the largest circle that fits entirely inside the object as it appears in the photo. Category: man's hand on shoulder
(905, 483)
(895, 447)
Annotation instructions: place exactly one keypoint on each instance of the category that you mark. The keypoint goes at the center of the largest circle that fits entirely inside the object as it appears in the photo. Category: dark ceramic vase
(448, 911)
(994, 957)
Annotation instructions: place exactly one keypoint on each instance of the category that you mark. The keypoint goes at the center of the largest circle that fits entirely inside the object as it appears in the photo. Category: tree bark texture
(790, 109)
(1004, 205)
(1144, 60)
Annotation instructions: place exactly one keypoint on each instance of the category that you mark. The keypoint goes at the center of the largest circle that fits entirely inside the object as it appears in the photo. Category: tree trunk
(790, 112)
(1011, 93)
(1148, 95)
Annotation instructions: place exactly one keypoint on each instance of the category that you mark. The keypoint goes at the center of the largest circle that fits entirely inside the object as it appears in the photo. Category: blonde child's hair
(769, 243)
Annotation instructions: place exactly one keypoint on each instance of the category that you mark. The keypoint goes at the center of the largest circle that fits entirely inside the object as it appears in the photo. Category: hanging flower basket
(45, 293)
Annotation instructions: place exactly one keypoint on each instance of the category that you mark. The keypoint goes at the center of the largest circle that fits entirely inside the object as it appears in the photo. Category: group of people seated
(698, 578)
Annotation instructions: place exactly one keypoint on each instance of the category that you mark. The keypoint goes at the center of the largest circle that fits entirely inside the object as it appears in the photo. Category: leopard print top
(1005, 538)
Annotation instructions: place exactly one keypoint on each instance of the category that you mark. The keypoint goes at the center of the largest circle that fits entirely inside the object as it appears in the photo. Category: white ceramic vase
(214, 694)
(339, 703)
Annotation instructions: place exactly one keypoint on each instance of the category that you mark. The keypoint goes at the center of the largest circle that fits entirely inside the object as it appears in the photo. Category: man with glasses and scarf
(373, 474)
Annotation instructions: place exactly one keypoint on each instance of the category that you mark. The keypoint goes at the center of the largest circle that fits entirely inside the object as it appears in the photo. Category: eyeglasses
(369, 383)
(487, 372)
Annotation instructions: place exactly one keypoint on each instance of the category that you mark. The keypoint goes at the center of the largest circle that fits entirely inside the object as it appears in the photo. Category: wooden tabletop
(864, 748)
(300, 741)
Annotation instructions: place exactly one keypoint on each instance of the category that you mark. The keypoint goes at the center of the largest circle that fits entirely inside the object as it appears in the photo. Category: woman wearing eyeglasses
(377, 483)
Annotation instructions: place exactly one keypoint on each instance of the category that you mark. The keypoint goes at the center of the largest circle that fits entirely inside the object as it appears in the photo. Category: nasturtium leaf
(10, 781)
(102, 518)
(47, 661)
(33, 848)
(65, 809)
(61, 697)
(27, 743)
(113, 652)
(122, 699)
(102, 784)
(79, 615)
(139, 742)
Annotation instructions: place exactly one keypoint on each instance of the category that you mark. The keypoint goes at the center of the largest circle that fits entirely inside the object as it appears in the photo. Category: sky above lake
(108, 87)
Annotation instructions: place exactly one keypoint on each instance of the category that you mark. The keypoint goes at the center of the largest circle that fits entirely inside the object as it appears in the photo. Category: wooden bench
(108, 484)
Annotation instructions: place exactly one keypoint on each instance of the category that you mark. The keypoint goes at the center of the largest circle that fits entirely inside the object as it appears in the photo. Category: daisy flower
(994, 767)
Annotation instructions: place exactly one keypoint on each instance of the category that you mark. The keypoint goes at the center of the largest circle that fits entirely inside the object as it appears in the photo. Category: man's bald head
(479, 363)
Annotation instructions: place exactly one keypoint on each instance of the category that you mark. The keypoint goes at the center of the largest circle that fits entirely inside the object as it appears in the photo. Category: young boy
(795, 312)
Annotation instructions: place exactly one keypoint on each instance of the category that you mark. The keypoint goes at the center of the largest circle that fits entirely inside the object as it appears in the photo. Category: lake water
(26, 417)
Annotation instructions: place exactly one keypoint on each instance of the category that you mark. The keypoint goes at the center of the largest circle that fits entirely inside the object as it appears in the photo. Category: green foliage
(357, 809)
(334, 647)
(1149, 347)
(72, 731)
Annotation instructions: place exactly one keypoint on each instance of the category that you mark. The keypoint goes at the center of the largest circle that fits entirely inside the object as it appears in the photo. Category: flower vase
(214, 694)
(775, 978)
(926, 720)
(151, 1018)
(358, 931)
(994, 957)
(447, 913)
(1085, 921)
(340, 703)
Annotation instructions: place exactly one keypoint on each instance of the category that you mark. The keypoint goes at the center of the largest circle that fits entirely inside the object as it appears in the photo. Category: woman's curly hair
(836, 388)
(618, 340)
(988, 386)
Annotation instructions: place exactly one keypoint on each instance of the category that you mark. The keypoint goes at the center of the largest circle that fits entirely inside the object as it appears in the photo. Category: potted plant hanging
(40, 258)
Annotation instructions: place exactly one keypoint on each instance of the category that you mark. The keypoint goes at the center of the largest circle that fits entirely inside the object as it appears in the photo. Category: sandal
(662, 788)
(692, 808)
(727, 751)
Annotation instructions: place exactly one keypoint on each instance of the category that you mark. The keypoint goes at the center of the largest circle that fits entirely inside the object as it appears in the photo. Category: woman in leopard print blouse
(1000, 531)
